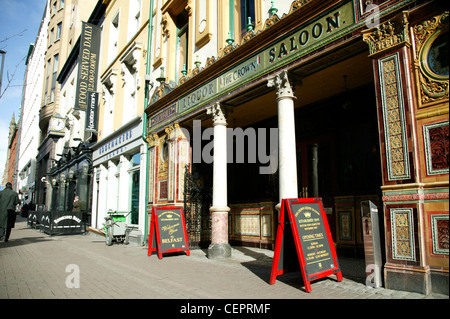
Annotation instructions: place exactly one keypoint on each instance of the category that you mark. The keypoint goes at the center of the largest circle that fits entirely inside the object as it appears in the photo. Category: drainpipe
(146, 99)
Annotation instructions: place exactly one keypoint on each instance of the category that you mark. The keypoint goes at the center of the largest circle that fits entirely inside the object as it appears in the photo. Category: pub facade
(343, 100)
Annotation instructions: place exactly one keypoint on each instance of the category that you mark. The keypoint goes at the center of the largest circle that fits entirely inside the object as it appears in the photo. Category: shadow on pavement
(261, 266)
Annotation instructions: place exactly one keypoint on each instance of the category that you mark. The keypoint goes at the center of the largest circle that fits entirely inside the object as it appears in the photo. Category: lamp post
(1, 69)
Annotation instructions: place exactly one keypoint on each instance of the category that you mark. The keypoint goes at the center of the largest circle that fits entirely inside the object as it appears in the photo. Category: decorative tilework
(247, 225)
(439, 233)
(394, 118)
(402, 228)
(345, 225)
(436, 138)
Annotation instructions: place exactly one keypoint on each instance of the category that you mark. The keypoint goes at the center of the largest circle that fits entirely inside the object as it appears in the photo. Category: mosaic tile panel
(394, 118)
(439, 233)
(436, 138)
(345, 225)
(247, 225)
(402, 230)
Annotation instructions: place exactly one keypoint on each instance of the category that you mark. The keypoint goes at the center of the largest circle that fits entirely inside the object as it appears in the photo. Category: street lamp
(1, 69)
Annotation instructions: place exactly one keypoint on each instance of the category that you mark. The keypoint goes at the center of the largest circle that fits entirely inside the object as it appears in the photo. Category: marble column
(219, 248)
(287, 162)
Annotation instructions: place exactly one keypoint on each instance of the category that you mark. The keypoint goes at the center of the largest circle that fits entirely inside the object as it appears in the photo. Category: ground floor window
(134, 172)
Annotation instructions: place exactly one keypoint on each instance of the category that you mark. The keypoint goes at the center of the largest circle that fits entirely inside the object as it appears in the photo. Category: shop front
(295, 110)
(119, 178)
(71, 185)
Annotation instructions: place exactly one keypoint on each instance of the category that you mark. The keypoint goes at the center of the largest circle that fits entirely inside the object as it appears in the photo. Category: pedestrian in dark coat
(8, 202)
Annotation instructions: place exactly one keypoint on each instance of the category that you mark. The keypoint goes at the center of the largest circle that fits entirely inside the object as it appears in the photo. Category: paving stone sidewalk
(36, 265)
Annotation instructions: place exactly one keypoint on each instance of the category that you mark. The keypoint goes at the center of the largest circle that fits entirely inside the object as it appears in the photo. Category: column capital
(281, 83)
(219, 113)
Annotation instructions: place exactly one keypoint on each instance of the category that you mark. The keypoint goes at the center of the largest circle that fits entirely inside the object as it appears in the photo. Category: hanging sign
(91, 123)
(167, 231)
(88, 61)
(309, 237)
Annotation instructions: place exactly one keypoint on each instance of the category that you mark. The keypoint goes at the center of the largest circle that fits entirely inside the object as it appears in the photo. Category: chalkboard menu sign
(311, 235)
(167, 231)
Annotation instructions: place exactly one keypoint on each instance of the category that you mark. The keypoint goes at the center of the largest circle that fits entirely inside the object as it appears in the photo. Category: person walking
(8, 202)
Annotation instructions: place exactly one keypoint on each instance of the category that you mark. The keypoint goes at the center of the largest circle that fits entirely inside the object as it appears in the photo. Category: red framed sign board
(167, 231)
(312, 242)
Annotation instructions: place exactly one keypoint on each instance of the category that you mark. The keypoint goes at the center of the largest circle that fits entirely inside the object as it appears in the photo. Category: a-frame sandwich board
(167, 231)
(303, 225)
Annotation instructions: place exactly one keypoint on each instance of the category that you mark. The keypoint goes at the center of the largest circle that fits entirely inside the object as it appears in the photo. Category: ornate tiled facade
(402, 234)
(394, 119)
(436, 138)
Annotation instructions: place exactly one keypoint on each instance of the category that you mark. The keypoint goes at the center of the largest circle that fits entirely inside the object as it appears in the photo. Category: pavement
(34, 265)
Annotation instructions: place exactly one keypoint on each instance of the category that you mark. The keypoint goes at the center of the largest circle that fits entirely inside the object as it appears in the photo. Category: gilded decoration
(402, 231)
(393, 119)
(388, 36)
(431, 60)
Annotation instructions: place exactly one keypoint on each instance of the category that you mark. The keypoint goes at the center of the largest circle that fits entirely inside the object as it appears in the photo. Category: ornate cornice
(389, 35)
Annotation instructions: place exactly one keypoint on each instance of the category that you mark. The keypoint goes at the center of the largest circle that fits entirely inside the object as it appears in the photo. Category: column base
(222, 250)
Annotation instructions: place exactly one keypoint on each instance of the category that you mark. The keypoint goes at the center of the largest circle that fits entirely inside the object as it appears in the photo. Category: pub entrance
(338, 160)
(338, 157)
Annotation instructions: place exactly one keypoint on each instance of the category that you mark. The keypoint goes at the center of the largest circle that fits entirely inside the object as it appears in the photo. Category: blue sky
(15, 16)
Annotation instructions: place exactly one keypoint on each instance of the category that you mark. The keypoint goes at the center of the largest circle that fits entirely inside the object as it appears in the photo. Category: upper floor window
(182, 43)
(247, 15)
(58, 31)
(47, 76)
(134, 20)
(52, 34)
(55, 71)
(113, 38)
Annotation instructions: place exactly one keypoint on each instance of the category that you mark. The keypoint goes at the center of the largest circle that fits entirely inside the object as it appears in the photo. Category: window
(46, 81)
(182, 43)
(61, 4)
(134, 20)
(58, 31)
(108, 85)
(130, 68)
(52, 32)
(135, 161)
(55, 70)
(247, 11)
(113, 38)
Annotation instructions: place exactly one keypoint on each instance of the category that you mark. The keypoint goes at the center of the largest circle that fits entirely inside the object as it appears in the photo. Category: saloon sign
(306, 38)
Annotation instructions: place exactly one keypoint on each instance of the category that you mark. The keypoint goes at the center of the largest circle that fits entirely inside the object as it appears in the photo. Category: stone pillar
(219, 247)
(286, 136)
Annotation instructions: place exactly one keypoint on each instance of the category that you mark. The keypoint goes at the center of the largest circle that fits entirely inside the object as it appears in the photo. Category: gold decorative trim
(388, 36)
(431, 88)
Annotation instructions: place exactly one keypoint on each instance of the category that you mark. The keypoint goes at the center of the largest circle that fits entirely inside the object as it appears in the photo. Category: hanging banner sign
(88, 61)
(167, 231)
(92, 112)
(312, 240)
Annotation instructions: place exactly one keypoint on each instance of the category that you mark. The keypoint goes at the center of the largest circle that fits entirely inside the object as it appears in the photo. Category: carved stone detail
(386, 36)
(282, 85)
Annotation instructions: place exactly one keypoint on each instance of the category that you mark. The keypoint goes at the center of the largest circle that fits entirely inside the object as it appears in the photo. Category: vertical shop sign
(92, 112)
(87, 64)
